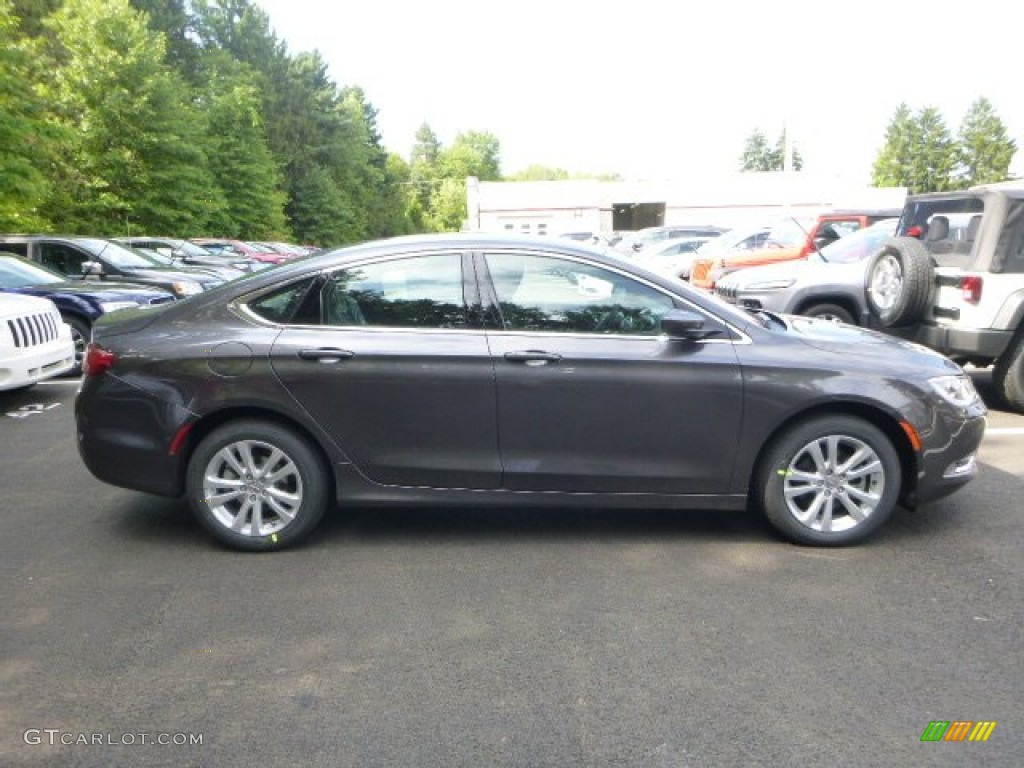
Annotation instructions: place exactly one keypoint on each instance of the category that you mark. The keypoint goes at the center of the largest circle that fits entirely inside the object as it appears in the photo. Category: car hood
(849, 340)
(101, 290)
(15, 305)
(156, 273)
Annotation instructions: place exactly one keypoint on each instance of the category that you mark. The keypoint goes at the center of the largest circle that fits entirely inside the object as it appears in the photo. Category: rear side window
(946, 227)
(1009, 255)
(284, 304)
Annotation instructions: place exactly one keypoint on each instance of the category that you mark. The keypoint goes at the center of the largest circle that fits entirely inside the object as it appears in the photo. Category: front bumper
(26, 366)
(948, 457)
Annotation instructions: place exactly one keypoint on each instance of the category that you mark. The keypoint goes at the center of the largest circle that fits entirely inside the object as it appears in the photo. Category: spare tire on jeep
(898, 281)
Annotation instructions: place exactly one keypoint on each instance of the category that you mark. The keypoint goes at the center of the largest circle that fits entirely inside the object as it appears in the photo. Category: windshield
(790, 232)
(17, 274)
(118, 255)
(734, 239)
(859, 245)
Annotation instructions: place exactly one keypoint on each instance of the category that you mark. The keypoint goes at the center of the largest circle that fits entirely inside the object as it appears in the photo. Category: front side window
(62, 258)
(414, 292)
(542, 293)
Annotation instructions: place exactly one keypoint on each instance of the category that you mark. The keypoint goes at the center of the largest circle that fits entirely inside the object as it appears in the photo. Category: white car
(671, 257)
(35, 343)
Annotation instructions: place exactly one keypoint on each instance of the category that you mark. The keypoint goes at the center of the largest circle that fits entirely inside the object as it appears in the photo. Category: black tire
(829, 312)
(1008, 374)
(898, 282)
(301, 479)
(81, 333)
(787, 483)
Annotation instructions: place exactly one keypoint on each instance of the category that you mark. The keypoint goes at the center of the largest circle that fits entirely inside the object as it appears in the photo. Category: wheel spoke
(874, 467)
(833, 452)
(287, 469)
(856, 512)
(257, 518)
(245, 451)
(870, 499)
(808, 516)
(826, 517)
(270, 463)
(285, 513)
(219, 499)
(240, 519)
(817, 457)
(792, 491)
(856, 458)
(228, 454)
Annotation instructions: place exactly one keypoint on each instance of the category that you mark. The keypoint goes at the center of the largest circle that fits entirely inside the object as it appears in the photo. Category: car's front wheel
(829, 481)
(257, 486)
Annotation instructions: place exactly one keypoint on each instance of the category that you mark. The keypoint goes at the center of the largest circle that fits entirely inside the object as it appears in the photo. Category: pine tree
(985, 148)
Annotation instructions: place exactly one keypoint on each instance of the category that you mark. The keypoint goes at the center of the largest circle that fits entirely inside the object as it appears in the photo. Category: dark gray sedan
(512, 371)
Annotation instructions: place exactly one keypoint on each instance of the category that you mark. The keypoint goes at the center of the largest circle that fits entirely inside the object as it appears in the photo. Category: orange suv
(790, 240)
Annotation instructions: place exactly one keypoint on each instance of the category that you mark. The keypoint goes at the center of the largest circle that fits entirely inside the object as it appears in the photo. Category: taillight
(97, 359)
(971, 287)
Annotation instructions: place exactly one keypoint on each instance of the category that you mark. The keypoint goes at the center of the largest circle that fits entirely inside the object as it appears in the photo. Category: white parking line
(1005, 431)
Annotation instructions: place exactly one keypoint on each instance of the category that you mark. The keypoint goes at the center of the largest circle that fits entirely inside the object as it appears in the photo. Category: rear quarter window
(947, 228)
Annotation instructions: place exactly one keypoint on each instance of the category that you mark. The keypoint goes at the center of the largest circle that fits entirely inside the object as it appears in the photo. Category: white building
(730, 200)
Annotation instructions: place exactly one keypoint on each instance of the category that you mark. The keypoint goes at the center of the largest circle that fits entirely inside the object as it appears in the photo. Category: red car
(239, 248)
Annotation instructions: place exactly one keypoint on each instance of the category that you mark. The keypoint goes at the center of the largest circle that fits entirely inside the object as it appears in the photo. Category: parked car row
(85, 278)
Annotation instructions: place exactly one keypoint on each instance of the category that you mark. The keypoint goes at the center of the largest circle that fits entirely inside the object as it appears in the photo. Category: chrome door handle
(533, 357)
(325, 355)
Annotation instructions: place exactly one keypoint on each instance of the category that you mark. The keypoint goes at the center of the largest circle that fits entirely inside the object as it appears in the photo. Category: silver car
(829, 284)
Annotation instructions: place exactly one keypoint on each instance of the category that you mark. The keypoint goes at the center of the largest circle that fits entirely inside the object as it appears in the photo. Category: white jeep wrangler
(953, 280)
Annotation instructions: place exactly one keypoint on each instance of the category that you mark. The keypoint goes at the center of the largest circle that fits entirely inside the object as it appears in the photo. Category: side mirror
(680, 324)
(92, 268)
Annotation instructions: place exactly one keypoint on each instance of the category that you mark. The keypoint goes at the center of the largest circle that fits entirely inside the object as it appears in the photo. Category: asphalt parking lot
(486, 638)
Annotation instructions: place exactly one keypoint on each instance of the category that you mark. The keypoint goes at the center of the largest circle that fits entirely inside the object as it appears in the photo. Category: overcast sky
(663, 88)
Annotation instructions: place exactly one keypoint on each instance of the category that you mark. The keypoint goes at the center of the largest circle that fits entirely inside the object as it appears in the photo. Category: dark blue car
(80, 301)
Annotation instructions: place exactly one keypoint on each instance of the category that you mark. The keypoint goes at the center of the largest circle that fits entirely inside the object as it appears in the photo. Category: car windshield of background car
(788, 233)
(727, 241)
(118, 255)
(857, 246)
(17, 274)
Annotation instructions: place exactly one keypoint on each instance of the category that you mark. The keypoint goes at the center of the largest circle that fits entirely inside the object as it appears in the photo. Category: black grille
(33, 330)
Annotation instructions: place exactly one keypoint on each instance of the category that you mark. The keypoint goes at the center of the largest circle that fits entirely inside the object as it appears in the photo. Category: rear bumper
(126, 442)
(964, 343)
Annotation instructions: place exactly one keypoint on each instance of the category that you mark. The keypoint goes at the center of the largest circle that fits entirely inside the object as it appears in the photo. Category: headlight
(956, 390)
(769, 285)
(113, 306)
(187, 288)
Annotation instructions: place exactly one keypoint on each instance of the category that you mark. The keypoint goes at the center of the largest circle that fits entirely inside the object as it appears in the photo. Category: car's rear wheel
(1008, 374)
(829, 481)
(257, 486)
(898, 281)
(829, 312)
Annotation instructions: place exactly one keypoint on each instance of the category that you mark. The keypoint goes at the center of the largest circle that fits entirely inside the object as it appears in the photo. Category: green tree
(756, 153)
(918, 153)
(777, 155)
(933, 166)
(135, 161)
(239, 158)
(539, 173)
(985, 148)
(896, 155)
(23, 134)
(473, 153)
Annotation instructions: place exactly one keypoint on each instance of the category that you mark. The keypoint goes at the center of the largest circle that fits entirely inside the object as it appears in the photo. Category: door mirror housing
(683, 325)
(92, 268)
